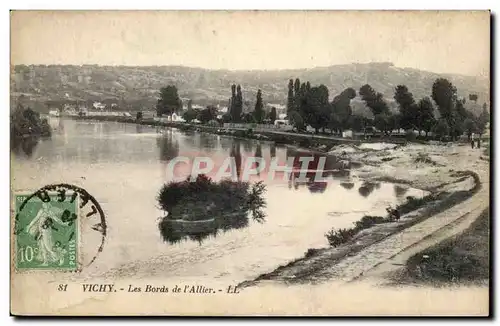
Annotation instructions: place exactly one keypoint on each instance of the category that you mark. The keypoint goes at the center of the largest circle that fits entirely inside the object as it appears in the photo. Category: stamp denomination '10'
(46, 232)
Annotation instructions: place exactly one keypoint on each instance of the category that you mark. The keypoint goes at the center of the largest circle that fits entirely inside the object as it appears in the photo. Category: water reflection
(236, 153)
(317, 176)
(400, 191)
(258, 154)
(367, 188)
(24, 146)
(272, 150)
(208, 141)
(168, 146)
(248, 145)
(139, 128)
(201, 209)
(347, 185)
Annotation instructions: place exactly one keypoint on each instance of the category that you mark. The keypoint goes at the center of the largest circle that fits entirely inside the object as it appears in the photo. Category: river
(124, 165)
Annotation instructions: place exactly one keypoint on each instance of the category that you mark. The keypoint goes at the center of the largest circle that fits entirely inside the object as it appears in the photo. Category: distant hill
(137, 87)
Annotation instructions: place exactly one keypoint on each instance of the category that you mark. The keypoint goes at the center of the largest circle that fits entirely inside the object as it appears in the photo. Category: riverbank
(433, 168)
(311, 141)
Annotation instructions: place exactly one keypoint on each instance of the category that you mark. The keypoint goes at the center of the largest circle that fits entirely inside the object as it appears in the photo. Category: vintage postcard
(250, 163)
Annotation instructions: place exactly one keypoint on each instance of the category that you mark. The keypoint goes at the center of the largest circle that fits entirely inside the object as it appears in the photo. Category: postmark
(52, 223)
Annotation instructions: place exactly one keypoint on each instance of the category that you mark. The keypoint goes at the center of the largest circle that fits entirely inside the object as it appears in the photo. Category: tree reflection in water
(203, 208)
(400, 190)
(258, 153)
(25, 146)
(347, 185)
(272, 150)
(168, 146)
(332, 169)
(236, 153)
(367, 188)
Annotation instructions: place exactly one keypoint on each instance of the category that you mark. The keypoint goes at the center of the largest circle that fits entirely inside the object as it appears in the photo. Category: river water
(124, 165)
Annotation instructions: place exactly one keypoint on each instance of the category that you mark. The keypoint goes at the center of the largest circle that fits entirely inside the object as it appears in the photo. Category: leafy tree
(296, 120)
(273, 115)
(425, 117)
(334, 123)
(226, 118)
(169, 101)
(290, 102)
(248, 118)
(394, 122)
(383, 122)
(441, 128)
(375, 101)
(232, 102)
(470, 127)
(238, 105)
(341, 110)
(259, 108)
(483, 120)
(190, 115)
(462, 111)
(316, 109)
(208, 114)
(407, 107)
(444, 95)
(297, 96)
(357, 122)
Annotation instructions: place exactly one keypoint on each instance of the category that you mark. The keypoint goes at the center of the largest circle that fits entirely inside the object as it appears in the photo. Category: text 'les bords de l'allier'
(191, 289)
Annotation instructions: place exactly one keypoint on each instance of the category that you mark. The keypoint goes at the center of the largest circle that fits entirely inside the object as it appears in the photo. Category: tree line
(310, 106)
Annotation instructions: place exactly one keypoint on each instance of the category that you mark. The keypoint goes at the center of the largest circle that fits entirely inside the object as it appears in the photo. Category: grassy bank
(460, 259)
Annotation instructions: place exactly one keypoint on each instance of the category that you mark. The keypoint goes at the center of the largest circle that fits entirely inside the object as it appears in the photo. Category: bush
(213, 123)
(368, 221)
(413, 203)
(340, 236)
(199, 209)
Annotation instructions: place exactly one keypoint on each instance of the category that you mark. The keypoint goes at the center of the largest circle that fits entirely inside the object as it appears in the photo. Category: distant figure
(472, 143)
(478, 142)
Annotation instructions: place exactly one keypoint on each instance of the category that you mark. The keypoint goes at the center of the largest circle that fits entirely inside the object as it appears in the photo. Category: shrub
(368, 221)
(413, 203)
(340, 236)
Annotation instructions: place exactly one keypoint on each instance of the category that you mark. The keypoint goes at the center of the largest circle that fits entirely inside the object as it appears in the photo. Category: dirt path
(386, 268)
(391, 253)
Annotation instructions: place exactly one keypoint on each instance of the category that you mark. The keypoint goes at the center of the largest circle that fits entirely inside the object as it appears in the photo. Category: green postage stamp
(46, 232)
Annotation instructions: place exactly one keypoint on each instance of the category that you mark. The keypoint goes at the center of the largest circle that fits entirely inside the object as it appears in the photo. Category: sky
(442, 42)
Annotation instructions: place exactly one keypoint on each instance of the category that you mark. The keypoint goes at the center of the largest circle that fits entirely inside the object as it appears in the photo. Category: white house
(54, 113)
(177, 117)
(99, 106)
